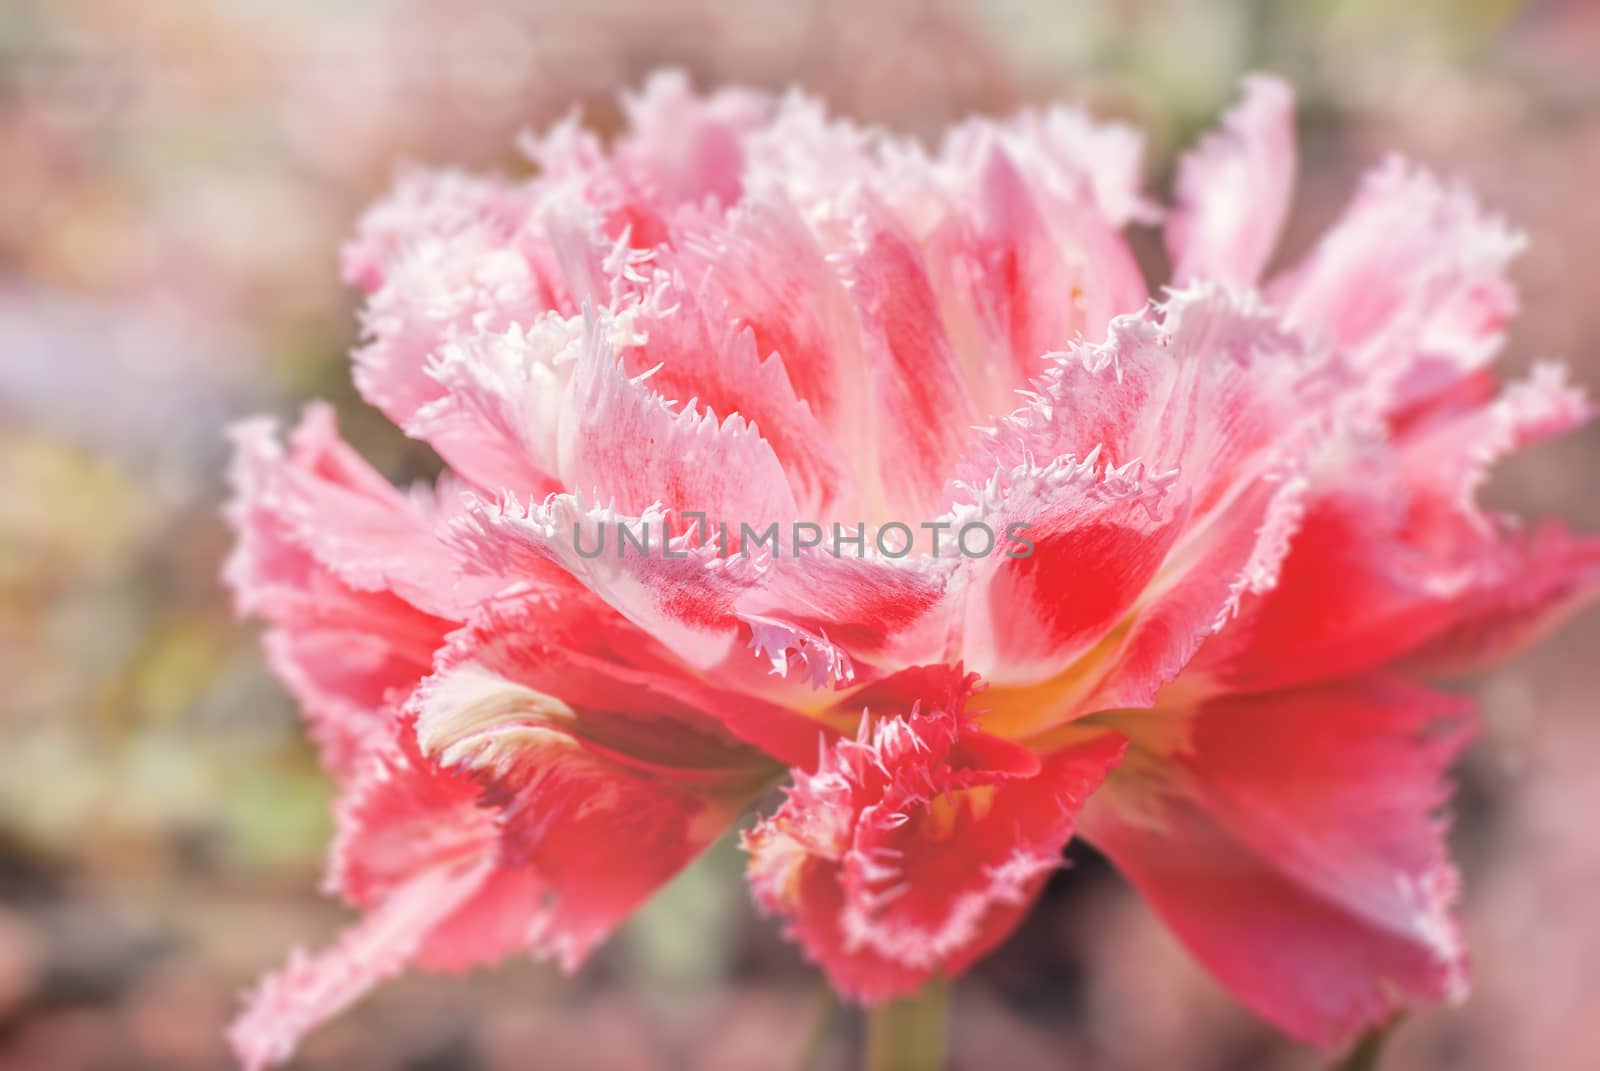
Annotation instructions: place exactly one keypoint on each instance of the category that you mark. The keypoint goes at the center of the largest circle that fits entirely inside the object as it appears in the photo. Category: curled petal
(913, 849)
(493, 832)
(710, 610)
(498, 420)
(444, 289)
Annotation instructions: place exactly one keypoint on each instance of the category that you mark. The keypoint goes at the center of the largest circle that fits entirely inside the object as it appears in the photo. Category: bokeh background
(175, 177)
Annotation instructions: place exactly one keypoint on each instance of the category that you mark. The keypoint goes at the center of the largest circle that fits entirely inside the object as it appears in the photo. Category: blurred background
(175, 178)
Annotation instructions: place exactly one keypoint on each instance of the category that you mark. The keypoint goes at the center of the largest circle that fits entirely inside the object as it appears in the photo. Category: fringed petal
(914, 848)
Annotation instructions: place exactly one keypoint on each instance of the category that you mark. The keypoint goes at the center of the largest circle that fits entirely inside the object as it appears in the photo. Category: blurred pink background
(175, 178)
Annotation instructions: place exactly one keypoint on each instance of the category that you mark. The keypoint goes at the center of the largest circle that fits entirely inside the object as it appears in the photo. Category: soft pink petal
(1010, 287)
(682, 148)
(630, 447)
(309, 990)
(497, 422)
(1061, 150)
(1233, 190)
(1411, 284)
(345, 643)
(324, 499)
(427, 206)
(921, 408)
(446, 288)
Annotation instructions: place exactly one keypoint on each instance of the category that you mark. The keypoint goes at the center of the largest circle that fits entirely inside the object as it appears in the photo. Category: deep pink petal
(915, 848)
(704, 337)
(1295, 846)
(1178, 447)
(1394, 555)
(724, 614)
(1015, 283)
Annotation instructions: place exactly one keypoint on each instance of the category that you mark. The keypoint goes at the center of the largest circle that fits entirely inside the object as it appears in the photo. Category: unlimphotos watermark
(892, 539)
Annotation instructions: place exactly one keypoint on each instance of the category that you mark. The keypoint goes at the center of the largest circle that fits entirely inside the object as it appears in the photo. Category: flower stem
(1368, 1051)
(908, 1034)
(827, 1004)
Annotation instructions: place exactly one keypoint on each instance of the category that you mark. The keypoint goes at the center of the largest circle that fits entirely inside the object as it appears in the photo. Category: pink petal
(632, 448)
(710, 610)
(342, 639)
(1014, 283)
(686, 149)
(762, 265)
(1551, 576)
(1393, 554)
(915, 848)
(1296, 849)
(1061, 150)
(1233, 190)
(442, 289)
(427, 206)
(329, 504)
(501, 832)
(497, 421)
(922, 410)
(710, 340)
(1412, 276)
(593, 836)
(1179, 444)
(309, 990)
(569, 659)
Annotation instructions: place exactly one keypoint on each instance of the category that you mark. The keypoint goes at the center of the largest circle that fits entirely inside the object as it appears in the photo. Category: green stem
(1368, 1051)
(826, 1004)
(908, 1034)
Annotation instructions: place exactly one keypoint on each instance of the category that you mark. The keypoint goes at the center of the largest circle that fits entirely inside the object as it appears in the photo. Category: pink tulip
(1236, 528)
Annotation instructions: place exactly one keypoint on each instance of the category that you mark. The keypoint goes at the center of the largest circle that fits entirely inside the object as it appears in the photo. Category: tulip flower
(780, 450)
